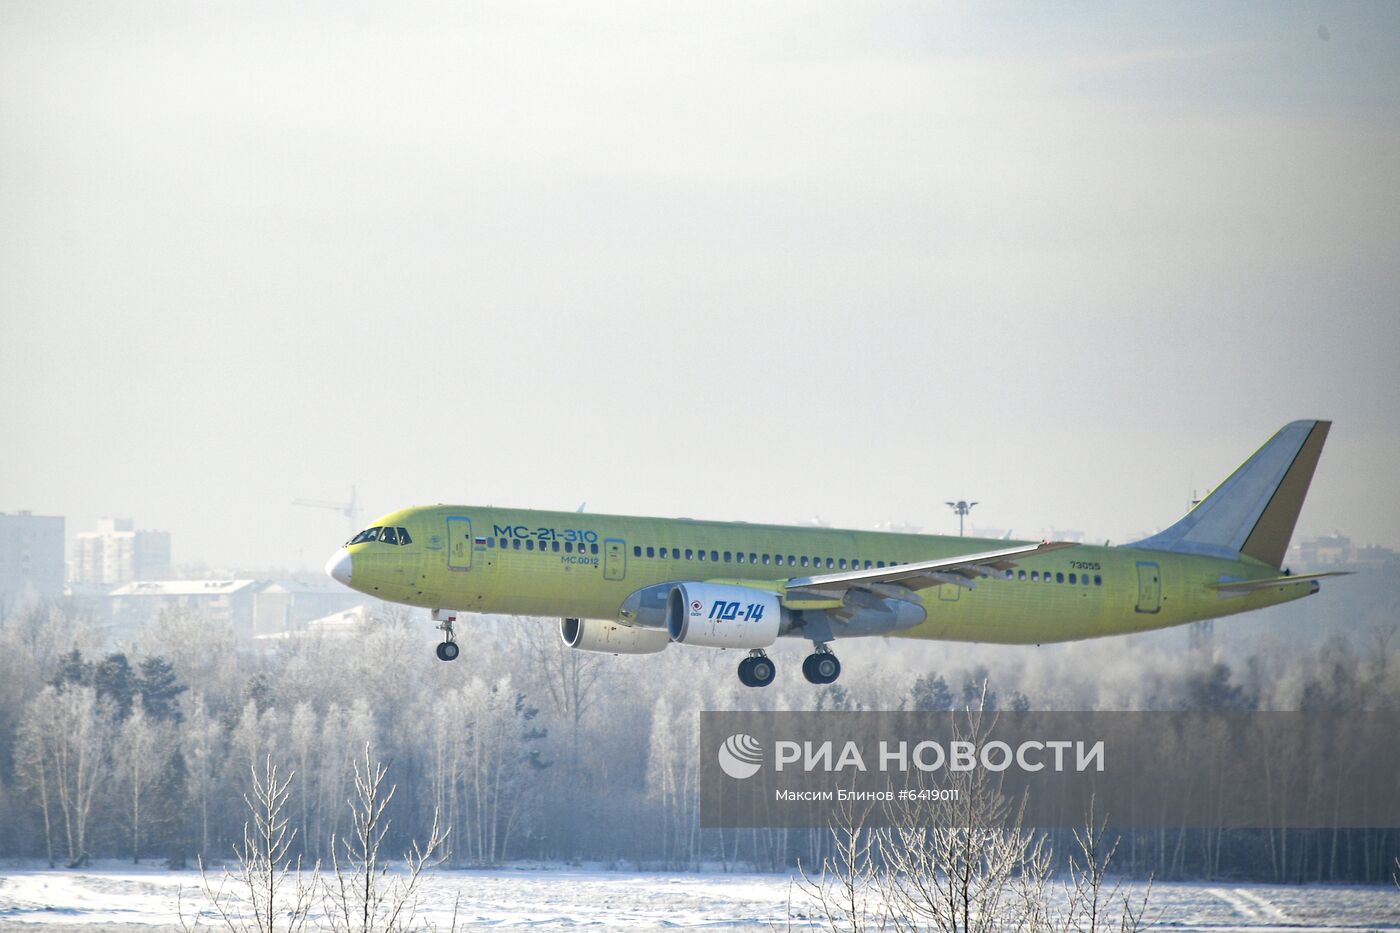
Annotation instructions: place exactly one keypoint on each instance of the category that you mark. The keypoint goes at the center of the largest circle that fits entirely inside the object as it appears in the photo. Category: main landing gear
(821, 666)
(448, 649)
(757, 669)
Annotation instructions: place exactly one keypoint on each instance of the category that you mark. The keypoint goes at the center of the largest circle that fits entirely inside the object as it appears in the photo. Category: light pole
(962, 507)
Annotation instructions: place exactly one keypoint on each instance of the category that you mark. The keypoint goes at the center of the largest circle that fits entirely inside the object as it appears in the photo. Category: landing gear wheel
(757, 671)
(821, 667)
(448, 650)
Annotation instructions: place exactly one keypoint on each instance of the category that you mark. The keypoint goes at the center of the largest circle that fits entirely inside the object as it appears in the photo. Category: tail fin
(1254, 511)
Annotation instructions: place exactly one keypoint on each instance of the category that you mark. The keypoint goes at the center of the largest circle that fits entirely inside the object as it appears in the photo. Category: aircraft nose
(338, 567)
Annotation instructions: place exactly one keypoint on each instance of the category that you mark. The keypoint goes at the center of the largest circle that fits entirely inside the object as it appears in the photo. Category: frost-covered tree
(140, 757)
(672, 784)
(930, 693)
(201, 742)
(70, 734)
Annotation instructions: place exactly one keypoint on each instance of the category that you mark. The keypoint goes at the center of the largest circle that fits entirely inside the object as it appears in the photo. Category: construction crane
(351, 509)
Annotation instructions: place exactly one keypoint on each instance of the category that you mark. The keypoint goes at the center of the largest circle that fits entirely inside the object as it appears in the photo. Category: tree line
(524, 750)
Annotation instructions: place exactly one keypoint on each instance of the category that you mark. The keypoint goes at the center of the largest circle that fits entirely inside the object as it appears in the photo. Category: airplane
(627, 585)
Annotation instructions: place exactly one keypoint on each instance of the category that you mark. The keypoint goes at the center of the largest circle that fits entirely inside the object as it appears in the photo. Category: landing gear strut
(448, 649)
(821, 666)
(757, 669)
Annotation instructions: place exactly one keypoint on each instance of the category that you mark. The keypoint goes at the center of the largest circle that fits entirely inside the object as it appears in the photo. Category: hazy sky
(717, 260)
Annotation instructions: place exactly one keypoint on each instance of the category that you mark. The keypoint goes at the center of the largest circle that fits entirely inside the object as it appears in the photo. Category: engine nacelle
(718, 616)
(612, 638)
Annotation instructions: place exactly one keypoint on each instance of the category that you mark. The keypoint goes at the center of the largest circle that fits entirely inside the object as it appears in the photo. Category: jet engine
(714, 615)
(610, 637)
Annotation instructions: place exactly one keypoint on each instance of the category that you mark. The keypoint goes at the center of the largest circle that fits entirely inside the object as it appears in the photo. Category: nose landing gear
(757, 669)
(448, 649)
(821, 666)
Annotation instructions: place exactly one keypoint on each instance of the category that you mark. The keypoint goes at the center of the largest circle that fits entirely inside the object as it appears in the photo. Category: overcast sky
(718, 260)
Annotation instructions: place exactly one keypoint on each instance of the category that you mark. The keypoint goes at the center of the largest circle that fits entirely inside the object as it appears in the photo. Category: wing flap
(959, 570)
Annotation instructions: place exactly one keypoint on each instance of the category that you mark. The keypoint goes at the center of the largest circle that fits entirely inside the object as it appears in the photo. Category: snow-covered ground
(549, 899)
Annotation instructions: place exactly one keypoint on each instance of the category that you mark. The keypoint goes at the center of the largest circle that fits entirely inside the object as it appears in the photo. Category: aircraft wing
(959, 570)
(1241, 587)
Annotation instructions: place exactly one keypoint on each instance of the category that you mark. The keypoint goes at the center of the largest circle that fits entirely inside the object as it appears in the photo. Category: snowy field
(114, 896)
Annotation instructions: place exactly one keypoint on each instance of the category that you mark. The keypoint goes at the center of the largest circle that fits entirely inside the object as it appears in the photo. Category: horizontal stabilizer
(1241, 587)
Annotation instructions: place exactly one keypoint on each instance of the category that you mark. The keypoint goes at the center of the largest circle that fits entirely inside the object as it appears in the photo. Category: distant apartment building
(1337, 550)
(117, 552)
(31, 558)
(229, 601)
(288, 605)
(250, 607)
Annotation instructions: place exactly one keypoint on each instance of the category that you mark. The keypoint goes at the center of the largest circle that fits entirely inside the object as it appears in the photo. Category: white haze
(718, 260)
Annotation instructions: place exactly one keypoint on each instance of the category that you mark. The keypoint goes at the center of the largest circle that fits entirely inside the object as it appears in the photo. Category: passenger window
(389, 536)
(651, 551)
(688, 553)
(879, 564)
(714, 555)
(1059, 578)
(636, 550)
(491, 543)
(554, 547)
(867, 565)
(726, 557)
(765, 560)
(1020, 575)
(842, 563)
(702, 555)
(804, 560)
(739, 557)
(663, 553)
(753, 558)
(568, 547)
(1072, 579)
(1098, 580)
(593, 549)
(830, 563)
(1035, 576)
(529, 544)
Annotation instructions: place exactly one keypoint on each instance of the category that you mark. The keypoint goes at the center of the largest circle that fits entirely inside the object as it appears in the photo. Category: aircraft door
(1149, 587)
(614, 558)
(459, 544)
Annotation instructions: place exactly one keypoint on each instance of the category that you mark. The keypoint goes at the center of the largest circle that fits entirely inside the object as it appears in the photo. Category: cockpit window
(403, 536)
(369, 534)
(389, 536)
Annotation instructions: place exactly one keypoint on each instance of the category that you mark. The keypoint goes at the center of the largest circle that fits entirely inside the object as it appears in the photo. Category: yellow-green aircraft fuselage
(635, 585)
